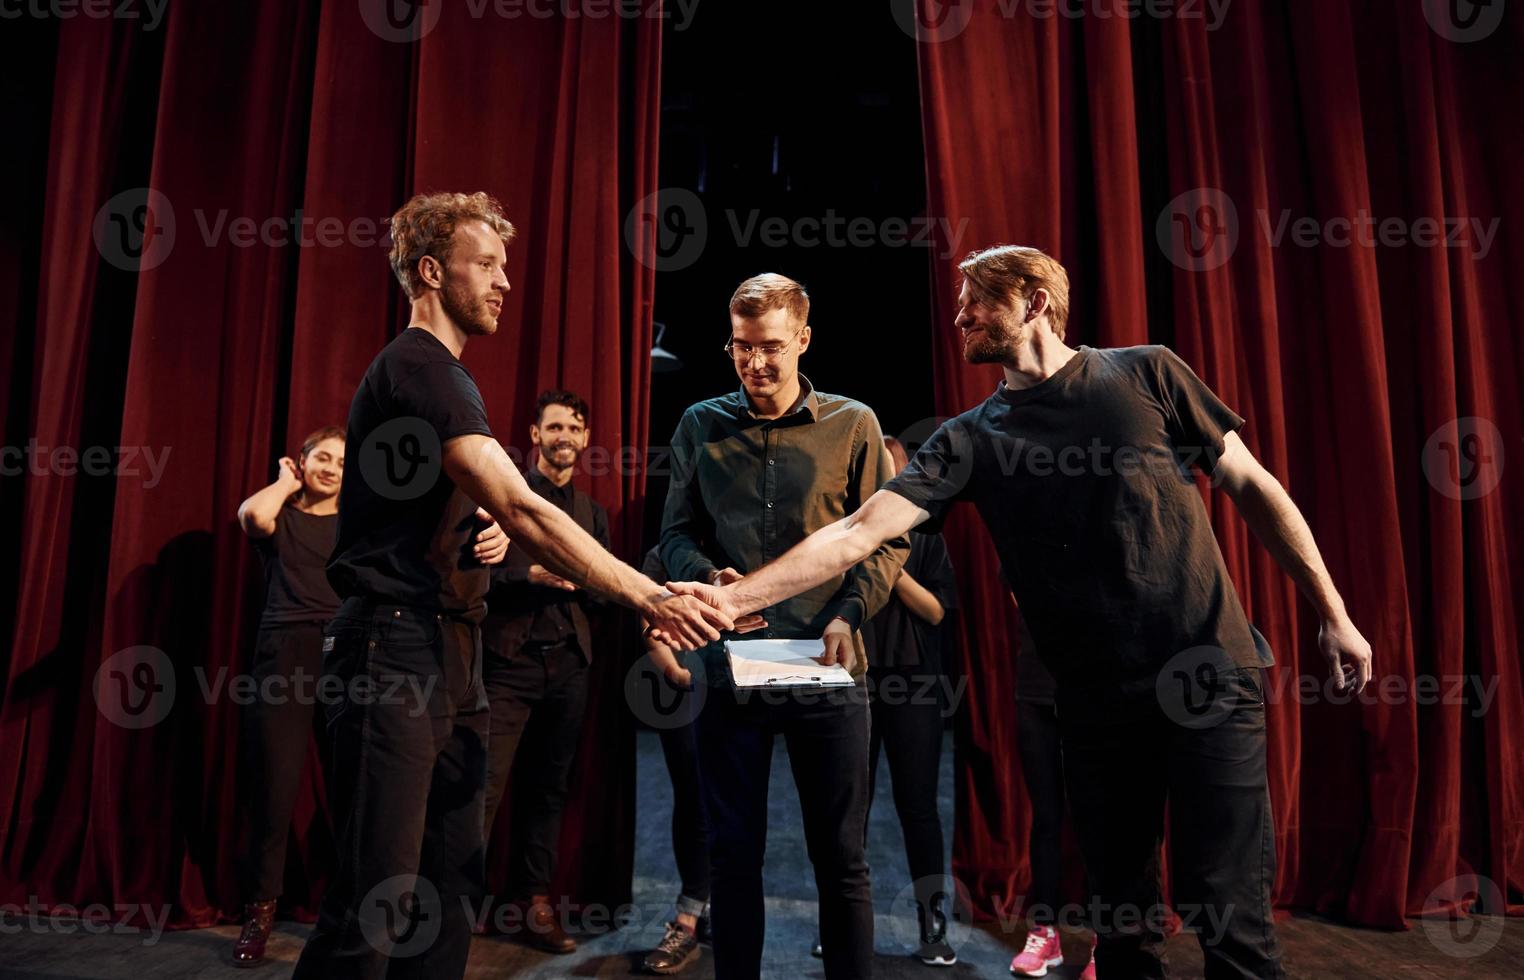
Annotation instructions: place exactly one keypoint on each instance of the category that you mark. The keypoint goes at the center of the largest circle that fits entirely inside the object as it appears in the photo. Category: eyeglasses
(770, 352)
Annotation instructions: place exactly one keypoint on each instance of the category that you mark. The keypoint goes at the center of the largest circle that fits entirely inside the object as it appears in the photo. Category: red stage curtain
(1076, 136)
(224, 354)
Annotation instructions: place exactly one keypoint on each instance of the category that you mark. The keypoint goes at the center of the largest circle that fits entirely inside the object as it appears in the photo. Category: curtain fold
(1106, 141)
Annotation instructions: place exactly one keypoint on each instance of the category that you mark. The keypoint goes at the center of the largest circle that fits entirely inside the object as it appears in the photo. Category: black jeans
(542, 690)
(409, 763)
(1042, 772)
(1120, 772)
(690, 824)
(827, 737)
(907, 727)
(276, 730)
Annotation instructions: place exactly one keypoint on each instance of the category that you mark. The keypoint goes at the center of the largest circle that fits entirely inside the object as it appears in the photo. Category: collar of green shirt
(807, 402)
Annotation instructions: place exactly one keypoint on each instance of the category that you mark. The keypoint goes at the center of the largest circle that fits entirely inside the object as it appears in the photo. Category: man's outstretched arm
(823, 555)
(1274, 518)
(483, 471)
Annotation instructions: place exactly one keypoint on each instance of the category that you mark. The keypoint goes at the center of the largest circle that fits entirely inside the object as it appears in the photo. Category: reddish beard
(995, 346)
(470, 313)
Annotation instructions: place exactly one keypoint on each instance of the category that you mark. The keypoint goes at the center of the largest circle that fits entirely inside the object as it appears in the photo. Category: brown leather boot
(250, 948)
(538, 927)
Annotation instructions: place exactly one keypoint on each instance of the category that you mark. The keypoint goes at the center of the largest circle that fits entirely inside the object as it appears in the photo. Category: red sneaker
(1042, 951)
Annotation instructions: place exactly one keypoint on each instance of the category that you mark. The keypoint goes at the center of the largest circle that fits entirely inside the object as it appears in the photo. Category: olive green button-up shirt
(745, 490)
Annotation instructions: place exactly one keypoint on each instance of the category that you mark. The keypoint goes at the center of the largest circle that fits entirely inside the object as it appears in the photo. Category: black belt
(364, 607)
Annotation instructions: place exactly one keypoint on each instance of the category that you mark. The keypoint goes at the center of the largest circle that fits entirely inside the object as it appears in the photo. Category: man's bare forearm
(484, 472)
(1274, 518)
(828, 552)
(823, 555)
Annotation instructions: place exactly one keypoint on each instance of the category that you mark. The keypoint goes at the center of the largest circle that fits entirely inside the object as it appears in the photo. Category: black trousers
(690, 823)
(907, 727)
(1120, 771)
(541, 690)
(827, 738)
(409, 763)
(288, 660)
(1042, 772)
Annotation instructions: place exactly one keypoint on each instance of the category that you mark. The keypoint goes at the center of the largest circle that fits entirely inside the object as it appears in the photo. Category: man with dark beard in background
(539, 644)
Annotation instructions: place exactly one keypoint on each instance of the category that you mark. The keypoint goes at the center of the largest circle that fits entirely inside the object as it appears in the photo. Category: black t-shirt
(897, 637)
(1082, 481)
(553, 611)
(405, 530)
(296, 588)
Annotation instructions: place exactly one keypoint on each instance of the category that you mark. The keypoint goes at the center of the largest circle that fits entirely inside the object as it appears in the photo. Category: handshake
(691, 614)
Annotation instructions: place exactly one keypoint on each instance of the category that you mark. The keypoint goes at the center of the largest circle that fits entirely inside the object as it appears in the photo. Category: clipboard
(782, 665)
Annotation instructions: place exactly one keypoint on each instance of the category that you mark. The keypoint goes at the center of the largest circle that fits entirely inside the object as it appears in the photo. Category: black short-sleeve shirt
(897, 637)
(296, 588)
(1084, 482)
(405, 530)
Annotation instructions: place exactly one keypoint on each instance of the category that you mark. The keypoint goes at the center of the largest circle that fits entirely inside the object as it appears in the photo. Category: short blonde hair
(426, 226)
(1003, 273)
(770, 291)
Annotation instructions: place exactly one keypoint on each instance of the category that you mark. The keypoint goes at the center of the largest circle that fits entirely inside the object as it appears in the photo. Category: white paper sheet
(783, 663)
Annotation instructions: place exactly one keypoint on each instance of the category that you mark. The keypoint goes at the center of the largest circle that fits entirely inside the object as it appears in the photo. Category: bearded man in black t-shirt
(1080, 466)
(419, 523)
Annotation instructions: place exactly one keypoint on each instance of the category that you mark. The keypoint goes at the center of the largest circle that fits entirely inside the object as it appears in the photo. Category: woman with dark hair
(293, 523)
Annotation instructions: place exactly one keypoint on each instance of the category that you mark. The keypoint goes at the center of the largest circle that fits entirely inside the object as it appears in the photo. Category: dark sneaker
(935, 950)
(677, 949)
(704, 933)
(816, 951)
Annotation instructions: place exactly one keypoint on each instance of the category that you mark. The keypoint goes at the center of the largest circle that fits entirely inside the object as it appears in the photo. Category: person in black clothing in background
(539, 642)
(418, 529)
(679, 946)
(905, 672)
(1037, 736)
(292, 523)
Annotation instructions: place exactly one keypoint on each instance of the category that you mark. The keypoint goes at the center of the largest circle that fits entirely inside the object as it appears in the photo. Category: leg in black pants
(690, 826)
(1221, 837)
(543, 689)
(1042, 772)
(907, 726)
(275, 735)
(827, 738)
(408, 772)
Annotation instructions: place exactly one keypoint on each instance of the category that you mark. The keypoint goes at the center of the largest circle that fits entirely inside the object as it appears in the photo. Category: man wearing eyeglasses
(756, 472)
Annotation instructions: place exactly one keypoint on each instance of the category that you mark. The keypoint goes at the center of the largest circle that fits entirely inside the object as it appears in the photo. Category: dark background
(808, 110)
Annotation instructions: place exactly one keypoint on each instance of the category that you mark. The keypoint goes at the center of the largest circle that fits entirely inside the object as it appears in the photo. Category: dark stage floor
(1313, 948)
